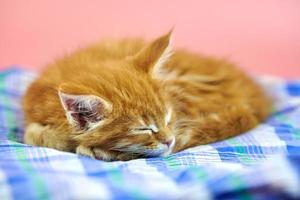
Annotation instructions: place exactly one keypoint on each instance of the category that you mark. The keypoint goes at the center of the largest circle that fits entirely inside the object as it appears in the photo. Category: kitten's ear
(154, 55)
(84, 112)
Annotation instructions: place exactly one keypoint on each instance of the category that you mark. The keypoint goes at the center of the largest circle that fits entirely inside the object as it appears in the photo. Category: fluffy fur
(119, 100)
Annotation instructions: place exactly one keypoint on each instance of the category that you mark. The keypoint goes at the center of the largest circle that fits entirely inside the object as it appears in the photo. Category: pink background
(263, 36)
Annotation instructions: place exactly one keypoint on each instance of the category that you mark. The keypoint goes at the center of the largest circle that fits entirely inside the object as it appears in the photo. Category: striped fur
(158, 103)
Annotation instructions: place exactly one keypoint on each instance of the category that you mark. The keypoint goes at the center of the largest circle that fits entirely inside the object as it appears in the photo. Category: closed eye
(138, 131)
(145, 130)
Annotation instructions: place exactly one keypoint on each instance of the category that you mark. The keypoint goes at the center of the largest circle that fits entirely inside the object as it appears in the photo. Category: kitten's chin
(169, 150)
(167, 153)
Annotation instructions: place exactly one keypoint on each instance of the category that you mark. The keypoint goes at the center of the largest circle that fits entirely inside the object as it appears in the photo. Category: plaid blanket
(263, 163)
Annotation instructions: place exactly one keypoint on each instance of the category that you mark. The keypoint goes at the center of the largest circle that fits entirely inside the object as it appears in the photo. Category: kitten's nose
(168, 142)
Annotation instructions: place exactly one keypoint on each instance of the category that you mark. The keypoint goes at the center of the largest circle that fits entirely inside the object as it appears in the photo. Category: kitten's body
(140, 85)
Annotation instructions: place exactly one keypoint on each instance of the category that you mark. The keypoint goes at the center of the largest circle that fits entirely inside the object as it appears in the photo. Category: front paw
(85, 151)
(126, 157)
(95, 153)
(100, 154)
(104, 155)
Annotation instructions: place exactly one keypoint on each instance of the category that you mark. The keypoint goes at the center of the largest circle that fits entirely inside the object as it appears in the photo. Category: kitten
(120, 100)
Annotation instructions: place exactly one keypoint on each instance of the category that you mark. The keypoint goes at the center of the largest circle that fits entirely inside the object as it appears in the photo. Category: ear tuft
(84, 112)
(167, 53)
(151, 58)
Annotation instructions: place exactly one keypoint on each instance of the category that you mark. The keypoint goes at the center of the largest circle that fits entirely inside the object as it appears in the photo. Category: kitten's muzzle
(169, 142)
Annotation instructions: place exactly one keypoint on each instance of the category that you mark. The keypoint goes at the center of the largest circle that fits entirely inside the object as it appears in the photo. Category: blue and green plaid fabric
(263, 163)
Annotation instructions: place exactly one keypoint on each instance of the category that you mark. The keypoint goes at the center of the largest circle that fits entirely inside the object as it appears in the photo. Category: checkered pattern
(263, 163)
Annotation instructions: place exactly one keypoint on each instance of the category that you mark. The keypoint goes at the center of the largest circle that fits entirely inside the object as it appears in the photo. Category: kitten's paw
(100, 154)
(104, 155)
(85, 151)
(95, 153)
(113, 155)
(126, 157)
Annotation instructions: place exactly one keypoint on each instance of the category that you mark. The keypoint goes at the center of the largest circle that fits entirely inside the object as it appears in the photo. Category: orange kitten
(120, 100)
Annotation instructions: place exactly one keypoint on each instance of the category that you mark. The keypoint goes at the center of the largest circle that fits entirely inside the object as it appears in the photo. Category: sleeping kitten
(120, 100)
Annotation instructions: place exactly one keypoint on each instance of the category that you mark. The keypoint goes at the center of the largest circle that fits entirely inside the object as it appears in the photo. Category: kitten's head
(120, 111)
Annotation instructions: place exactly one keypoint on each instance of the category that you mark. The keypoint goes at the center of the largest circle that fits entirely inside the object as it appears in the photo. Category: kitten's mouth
(170, 149)
(164, 150)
